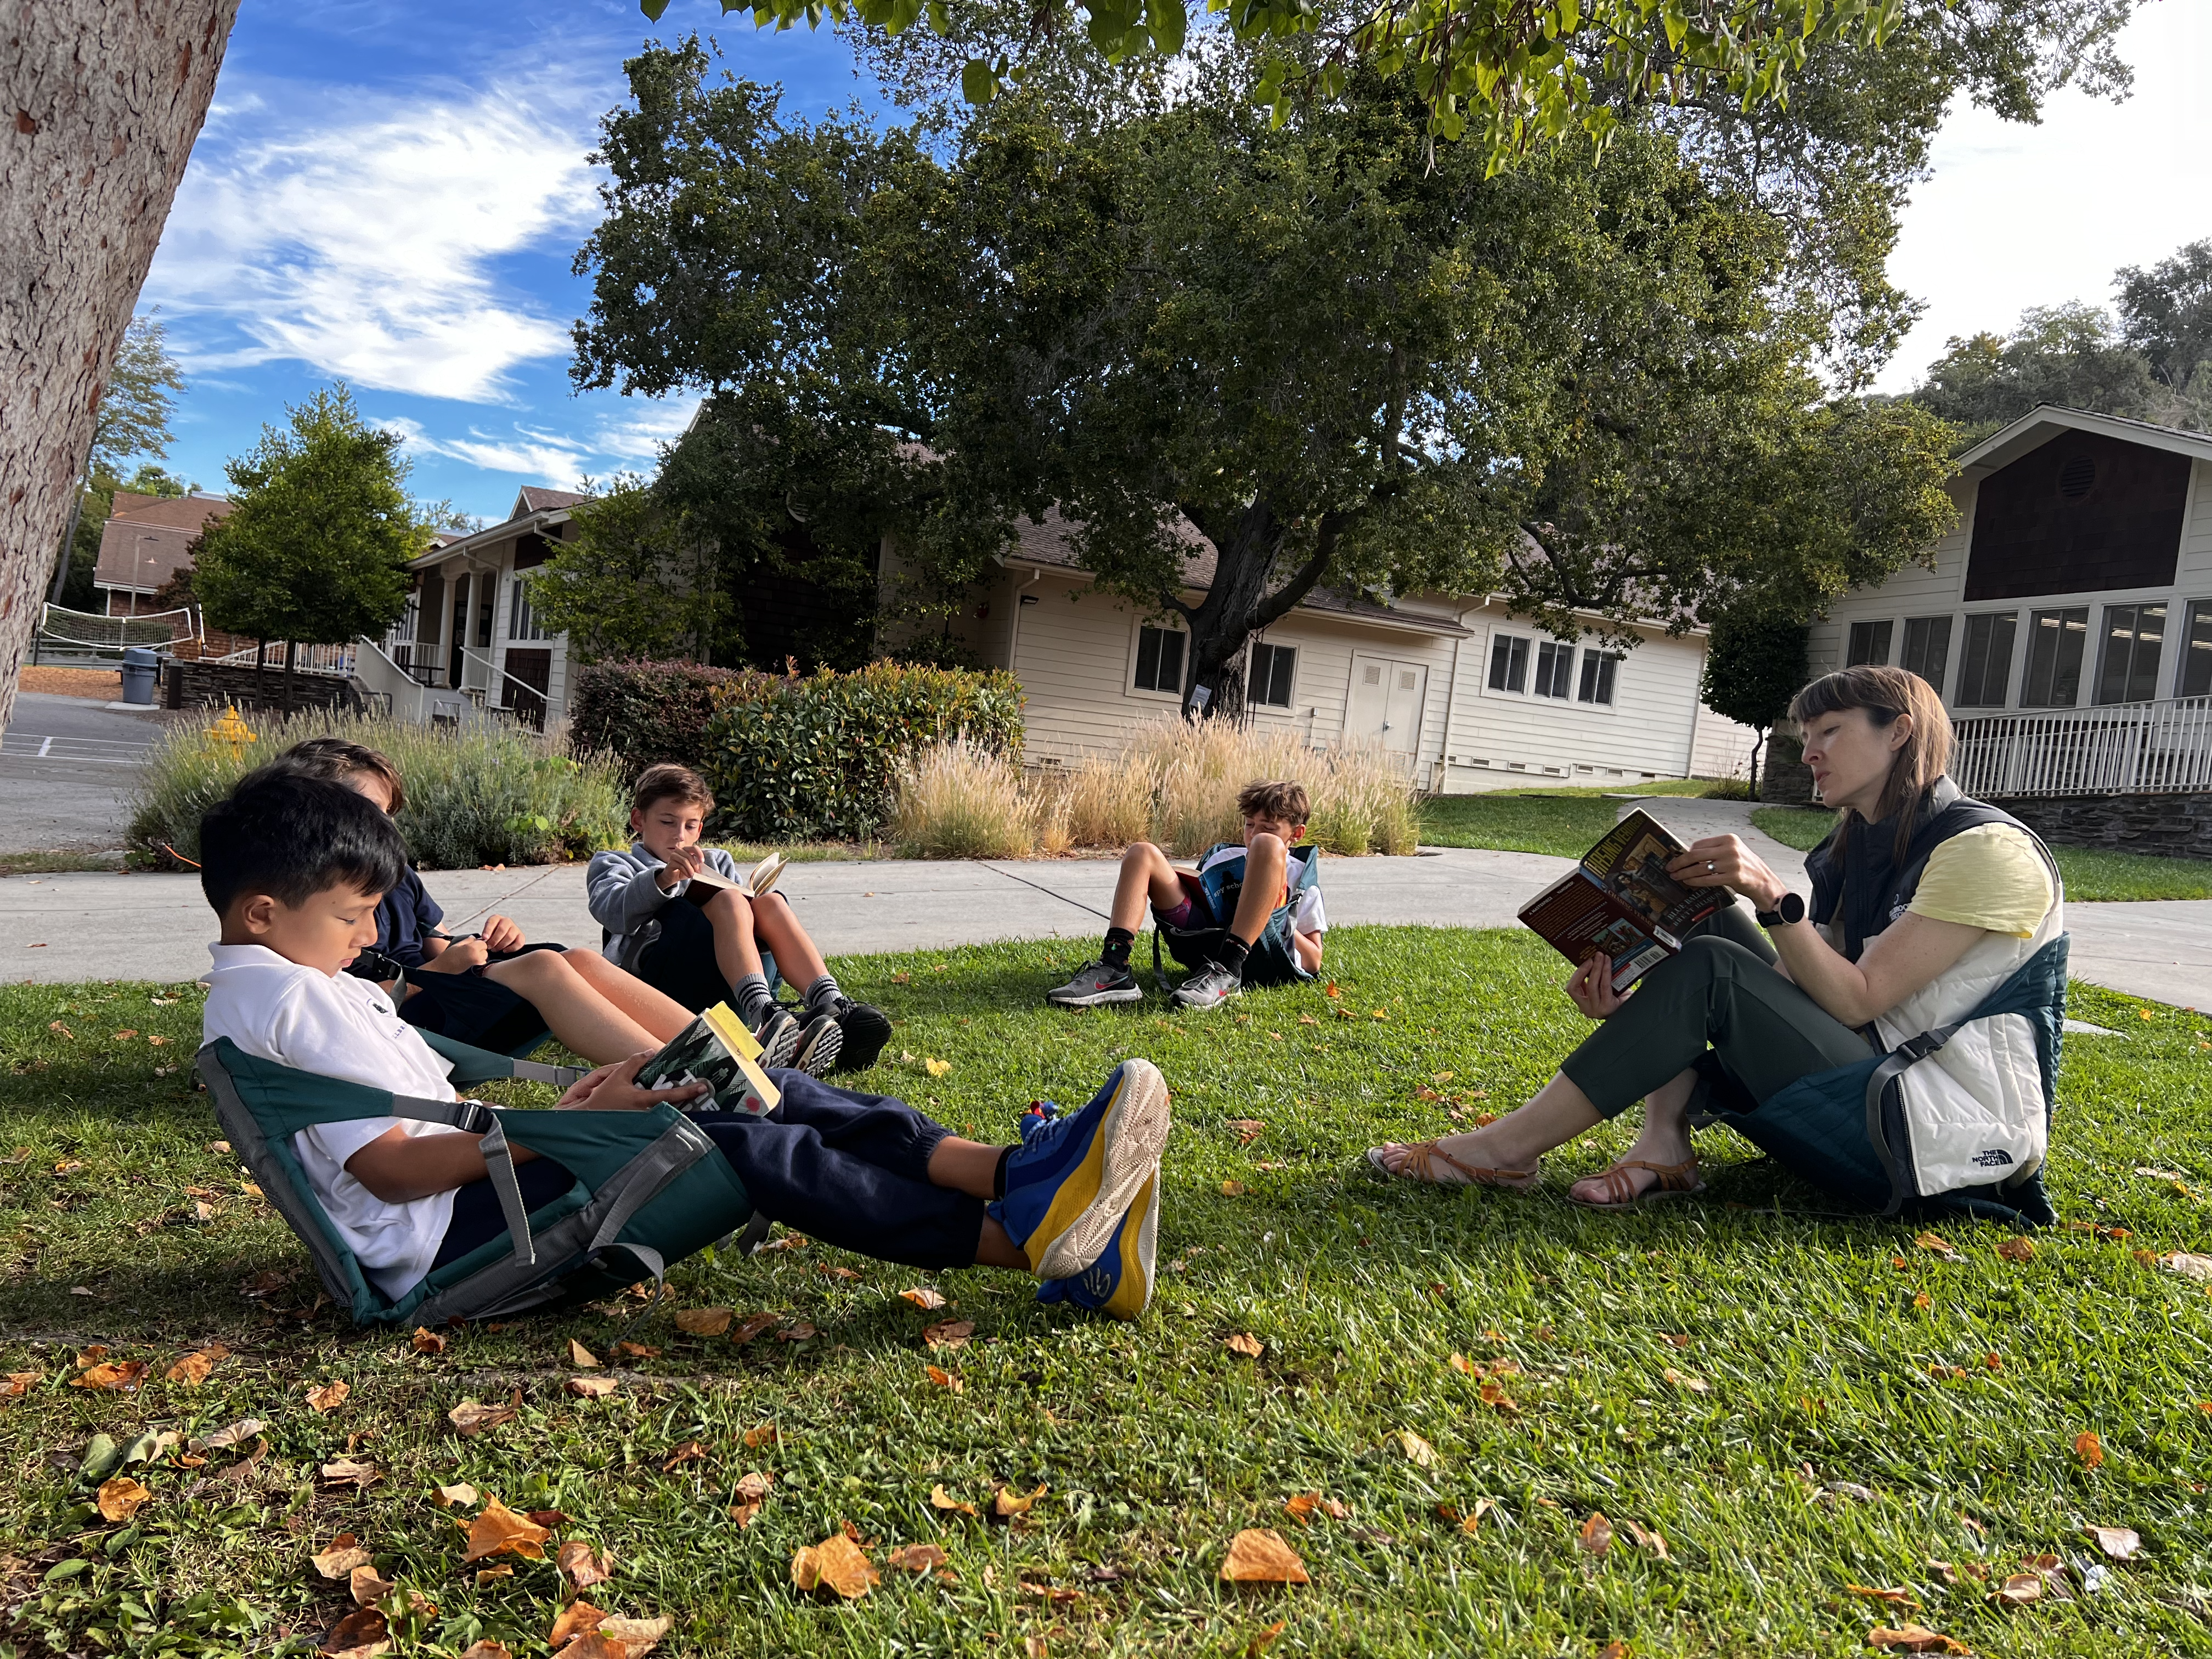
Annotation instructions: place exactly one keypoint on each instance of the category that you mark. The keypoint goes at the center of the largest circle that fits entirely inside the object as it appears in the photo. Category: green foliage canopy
(317, 548)
(1755, 663)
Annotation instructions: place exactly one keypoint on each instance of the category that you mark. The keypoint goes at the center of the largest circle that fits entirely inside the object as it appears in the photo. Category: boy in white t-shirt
(295, 868)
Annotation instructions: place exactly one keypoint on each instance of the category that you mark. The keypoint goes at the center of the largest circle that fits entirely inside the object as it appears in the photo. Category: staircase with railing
(2119, 749)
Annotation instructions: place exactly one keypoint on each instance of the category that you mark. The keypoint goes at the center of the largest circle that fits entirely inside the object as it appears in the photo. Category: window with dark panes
(2195, 679)
(1598, 668)
(1273, 668)
(1928, 649)
(1159, 660)
(2055, 643)
(1869, 643)
(1986, 667)
(2127, 663)
(1555, 667)
(1509, 662)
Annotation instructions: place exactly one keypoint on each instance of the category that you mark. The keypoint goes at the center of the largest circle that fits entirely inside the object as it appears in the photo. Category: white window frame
(1137, 627)
(1619, 661)
(1291, 699)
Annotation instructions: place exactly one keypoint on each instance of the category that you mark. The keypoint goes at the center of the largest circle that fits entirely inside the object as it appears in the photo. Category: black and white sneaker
(1209, 987)
(1094, 985)
(866, 1029)
(818, 1046)
(778, 1035)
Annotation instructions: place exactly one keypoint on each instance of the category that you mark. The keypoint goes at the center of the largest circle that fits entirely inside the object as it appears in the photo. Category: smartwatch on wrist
(1790, 909)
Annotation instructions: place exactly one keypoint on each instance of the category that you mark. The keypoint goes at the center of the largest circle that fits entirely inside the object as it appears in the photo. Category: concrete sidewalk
(66, 927)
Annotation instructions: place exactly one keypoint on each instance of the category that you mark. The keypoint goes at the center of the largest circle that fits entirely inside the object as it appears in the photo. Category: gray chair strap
(529, 1070)
(474, 1118)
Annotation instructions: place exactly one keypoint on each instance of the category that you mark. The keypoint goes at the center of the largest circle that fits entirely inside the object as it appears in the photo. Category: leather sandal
(1675, 1180)
(1424, 1156)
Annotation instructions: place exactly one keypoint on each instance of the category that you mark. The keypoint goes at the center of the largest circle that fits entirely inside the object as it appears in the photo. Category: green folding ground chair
(650, 1187)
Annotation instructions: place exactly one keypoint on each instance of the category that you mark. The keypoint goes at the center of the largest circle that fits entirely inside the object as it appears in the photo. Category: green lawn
(2090, 873)
(1832, 1420)
(1562, 822)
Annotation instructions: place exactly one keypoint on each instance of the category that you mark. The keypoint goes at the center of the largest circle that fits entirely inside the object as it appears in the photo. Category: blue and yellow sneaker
(1073, 1177)
(1120, 1283)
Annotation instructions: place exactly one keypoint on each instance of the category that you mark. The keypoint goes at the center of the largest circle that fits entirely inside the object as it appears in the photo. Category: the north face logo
(1992, 1157)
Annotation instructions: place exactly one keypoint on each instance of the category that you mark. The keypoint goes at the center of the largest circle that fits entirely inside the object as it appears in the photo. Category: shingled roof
(149, 538)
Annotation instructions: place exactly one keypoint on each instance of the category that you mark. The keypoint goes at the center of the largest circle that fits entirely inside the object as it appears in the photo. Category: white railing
(312, 659)
(2121, 749)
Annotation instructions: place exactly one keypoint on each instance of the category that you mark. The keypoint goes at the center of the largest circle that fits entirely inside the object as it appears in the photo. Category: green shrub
(490, 795)
(643, 712)
(817, 759)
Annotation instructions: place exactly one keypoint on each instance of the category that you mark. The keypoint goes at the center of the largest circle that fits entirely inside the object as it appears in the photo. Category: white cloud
(364, 244)
(2016, 217)
(559, 460)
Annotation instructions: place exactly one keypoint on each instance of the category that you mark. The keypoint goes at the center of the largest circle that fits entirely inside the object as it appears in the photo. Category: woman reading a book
(1924, 903)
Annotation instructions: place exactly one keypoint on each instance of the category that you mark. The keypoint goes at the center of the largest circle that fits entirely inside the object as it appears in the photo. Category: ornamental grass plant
(496, 794)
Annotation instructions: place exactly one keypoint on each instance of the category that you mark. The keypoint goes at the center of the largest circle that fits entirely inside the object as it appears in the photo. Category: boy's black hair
(293, 836)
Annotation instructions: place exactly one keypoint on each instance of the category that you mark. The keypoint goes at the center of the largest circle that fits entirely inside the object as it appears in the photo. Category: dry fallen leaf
(1261, 1555)
(752, 1491)
(941, 1499)
(1004, 1504)
(349, 1471)
(594, 1646)
(121, 1497)
(1684, 1379)
(446, 1498)
(915, 1558)
(361, 1634)
(936, 1068)
(1249, 1346)
(345, 1554)
(1899, 1598)
(583, 1566)
(944, 1379)
(485, 1647)
(2018, 1590)
(636, 1351)
(119, 1378)
(582, 1358)
(761, 1434)
(192, 1369)
(1649, 1539)
(578, 1618)
(2189, 1266)
(2017, 1249)
(1471, 1521)
(704, 1322)
(18, 1383)
(2119, 1543)
(328, 1396)
(2089, 1449)
(1249, 1129)
(949, 1334)
(498, 1530)
(1596, 1537)
(1914, 1638)
(1492, 1394)
(1934, 1242)
(368, 1587)
(470, 1417)
(1233, 1189)
(426, 1340)
(835, 1564)
(800, 1331)
(922, 1297)
(593, 1388)
(753, 1327)
(691, 1451)
(1422, 1452)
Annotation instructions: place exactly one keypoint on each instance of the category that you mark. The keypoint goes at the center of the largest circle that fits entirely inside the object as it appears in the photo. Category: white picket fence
(312, 659)
(2122, 749)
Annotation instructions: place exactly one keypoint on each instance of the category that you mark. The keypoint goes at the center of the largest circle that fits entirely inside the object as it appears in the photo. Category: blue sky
(392, 193)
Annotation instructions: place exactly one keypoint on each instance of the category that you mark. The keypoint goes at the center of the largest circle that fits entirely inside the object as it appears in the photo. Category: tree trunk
(1758, 743)
(105, 97)
(1241, 601)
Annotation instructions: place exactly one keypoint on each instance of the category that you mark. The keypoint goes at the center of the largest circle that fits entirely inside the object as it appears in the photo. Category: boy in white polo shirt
(296, 867)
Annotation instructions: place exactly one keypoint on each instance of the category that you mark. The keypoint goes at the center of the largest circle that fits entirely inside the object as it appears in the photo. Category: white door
(1387, 698)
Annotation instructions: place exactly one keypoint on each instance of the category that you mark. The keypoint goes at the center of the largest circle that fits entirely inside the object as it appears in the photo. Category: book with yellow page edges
(715, 1049)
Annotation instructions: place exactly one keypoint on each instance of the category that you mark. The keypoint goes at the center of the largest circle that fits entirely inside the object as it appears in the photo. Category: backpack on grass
(1271, 961)
(650, 1186)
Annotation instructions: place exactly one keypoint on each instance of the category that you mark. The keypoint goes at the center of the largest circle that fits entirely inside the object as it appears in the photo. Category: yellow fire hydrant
(230, 732)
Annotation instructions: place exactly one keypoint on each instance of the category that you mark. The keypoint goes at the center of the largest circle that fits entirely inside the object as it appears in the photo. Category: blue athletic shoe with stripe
(1120, 1283)
(1073, 1176)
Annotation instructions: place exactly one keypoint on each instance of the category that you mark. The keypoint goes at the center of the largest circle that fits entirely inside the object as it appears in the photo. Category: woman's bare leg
(576, 1014)
(1665, 1139)
(659, 1013)
(1555, 1115)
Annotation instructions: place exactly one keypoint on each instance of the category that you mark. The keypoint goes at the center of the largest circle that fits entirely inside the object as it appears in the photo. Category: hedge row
(790, 759)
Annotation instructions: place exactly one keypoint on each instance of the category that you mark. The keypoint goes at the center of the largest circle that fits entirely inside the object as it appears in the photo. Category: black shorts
(472, 1009)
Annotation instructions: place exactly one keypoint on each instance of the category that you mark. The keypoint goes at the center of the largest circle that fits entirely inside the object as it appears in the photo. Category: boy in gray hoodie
(703, 945)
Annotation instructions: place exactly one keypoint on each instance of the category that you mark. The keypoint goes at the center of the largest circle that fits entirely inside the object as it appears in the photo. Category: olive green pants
(1719, 1007)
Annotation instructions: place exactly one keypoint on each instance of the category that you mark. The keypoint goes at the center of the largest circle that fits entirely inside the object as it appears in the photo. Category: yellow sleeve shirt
(1991, 876)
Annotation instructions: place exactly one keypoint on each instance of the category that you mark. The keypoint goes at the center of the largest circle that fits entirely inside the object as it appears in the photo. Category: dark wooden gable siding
(2081, 513)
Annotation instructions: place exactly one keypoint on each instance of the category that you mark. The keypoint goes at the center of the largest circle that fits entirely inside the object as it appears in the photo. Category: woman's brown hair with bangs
(1886, 693)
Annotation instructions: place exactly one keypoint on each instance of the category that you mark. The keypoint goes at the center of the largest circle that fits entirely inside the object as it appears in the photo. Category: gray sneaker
(778, 1035)
(1095, 984)
(1209, 987)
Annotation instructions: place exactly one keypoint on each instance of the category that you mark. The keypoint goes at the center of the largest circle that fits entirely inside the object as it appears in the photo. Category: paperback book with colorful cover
(1620, 900)
(715, 1049)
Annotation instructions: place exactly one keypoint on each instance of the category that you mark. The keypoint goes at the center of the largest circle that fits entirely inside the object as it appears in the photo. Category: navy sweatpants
(847, 1169)
(680, 964)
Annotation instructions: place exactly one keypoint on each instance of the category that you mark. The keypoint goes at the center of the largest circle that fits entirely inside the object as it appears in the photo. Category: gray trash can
(142, 671)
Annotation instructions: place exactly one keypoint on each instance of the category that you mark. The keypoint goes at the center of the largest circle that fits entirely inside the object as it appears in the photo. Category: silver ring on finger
(1709, 866)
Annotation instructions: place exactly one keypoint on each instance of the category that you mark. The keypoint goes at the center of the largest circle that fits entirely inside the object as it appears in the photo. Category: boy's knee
(1268, 848)
(1141, 852)
(727, 905)
(542, 967)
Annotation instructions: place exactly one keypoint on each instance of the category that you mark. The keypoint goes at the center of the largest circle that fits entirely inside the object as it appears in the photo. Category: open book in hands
(1620, 900)
(761, 879)
(715, 1049)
